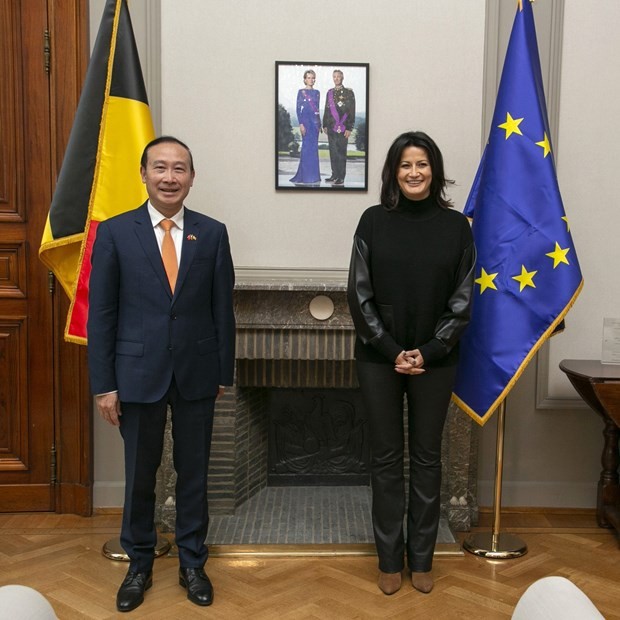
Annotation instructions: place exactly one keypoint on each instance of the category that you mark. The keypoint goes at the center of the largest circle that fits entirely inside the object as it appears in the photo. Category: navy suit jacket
(139, 334)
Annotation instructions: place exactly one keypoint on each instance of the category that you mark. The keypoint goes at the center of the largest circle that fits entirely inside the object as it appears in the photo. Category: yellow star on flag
(567, 224)
(558, 255)
(544, 143)
(511, 125)
(526, 278)
(486, 281)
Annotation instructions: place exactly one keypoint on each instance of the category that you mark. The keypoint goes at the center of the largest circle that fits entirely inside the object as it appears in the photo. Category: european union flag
(527, 272)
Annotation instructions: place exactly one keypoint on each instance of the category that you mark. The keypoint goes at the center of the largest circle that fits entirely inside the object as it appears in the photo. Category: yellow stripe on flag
(117, 185)
(61, 256)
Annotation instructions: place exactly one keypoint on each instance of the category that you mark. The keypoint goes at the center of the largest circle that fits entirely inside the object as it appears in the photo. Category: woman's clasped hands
(409, 363)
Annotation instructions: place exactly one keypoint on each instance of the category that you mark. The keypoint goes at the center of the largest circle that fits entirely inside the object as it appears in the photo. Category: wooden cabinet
(599, 386)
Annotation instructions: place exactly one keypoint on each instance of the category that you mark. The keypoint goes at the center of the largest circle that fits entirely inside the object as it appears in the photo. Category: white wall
(218, 94)
(427, 64)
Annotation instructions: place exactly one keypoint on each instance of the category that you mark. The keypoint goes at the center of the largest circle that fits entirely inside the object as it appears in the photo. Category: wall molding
(152, 73)
(543, 398)
(551, 64)
(294, 274)
(109, 494)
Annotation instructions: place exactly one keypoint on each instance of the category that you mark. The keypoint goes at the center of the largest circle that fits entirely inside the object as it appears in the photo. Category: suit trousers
(428, 397)
(338, 153)
(142, 428)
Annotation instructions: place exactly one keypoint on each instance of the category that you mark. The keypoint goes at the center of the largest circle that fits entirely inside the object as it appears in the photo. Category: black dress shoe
(131, 593)
(199, 588)
(332, 178)
(338, 182)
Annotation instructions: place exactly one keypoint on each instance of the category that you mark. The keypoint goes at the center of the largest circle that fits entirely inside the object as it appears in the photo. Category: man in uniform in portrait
(338, 122)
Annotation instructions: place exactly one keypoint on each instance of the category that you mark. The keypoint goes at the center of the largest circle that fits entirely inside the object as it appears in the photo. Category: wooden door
(35, 366)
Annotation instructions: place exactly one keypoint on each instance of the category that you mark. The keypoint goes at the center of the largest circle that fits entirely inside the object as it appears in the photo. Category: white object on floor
(555, 598)
(24, 603)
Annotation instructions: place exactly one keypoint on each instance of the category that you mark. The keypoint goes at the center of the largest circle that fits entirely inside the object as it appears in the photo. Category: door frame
(68, 23)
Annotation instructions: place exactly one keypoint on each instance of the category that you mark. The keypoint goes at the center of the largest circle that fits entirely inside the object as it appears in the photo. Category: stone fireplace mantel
(294, 330)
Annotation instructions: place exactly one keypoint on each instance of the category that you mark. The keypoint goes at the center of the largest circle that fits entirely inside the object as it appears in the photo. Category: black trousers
(142, 428)
(428, 397)
(338, 153)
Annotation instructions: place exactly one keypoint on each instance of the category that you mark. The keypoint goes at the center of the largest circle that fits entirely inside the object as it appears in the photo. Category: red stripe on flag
(78, 313)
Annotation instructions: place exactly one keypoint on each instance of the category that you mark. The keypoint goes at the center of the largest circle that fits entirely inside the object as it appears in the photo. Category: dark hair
(163, 140)
(390, 190)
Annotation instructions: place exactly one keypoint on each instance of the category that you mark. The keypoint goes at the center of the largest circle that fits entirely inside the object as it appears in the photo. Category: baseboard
(108, 494)
(538, 510)
(540, 494)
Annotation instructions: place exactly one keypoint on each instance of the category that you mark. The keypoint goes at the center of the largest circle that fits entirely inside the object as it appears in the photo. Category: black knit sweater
(410, 282)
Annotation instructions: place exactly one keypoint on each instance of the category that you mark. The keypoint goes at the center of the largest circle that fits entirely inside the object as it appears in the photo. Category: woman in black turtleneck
(410, 289)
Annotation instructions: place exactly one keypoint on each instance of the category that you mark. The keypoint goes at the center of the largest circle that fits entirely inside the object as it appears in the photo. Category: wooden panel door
(33, 131)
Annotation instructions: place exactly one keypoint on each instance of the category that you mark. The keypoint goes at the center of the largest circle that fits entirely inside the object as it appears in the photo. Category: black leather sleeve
(452, 323)
(360, 294)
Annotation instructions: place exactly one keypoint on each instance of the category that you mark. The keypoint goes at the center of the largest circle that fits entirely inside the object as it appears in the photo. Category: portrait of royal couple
(336, 120)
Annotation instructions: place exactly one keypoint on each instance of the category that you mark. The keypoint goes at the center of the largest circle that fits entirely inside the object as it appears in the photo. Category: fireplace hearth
(294, 416)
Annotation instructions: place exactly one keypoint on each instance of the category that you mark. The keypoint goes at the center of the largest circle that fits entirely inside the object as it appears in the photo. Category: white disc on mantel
(321, 307)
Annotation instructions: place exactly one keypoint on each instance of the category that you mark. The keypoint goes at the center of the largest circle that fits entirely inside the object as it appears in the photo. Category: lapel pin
(191, 237)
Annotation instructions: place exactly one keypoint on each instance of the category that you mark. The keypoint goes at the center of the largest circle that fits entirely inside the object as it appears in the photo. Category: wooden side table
(599, 386)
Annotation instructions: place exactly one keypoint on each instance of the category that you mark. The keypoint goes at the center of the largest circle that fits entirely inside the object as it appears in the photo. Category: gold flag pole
(113, 550)
(493, 544)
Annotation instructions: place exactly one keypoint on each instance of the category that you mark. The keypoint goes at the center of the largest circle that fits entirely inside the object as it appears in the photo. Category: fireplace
(317, 437)
(295, 415)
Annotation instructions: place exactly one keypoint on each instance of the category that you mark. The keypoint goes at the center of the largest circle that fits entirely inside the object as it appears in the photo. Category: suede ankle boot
(422, 582)
(389, 582)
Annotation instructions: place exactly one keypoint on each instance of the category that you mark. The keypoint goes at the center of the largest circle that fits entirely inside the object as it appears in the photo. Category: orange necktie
(169, 253)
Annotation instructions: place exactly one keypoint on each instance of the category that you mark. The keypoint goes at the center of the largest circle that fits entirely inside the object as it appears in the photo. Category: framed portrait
(321, 126)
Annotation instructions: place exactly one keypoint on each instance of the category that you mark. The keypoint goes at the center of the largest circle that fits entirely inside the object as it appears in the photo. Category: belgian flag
(99, 176)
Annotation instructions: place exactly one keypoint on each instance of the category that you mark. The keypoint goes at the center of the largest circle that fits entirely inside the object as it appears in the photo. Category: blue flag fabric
(527, 272)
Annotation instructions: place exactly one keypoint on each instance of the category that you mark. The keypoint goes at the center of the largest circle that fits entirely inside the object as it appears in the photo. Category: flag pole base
(495, 547)
(114, 551)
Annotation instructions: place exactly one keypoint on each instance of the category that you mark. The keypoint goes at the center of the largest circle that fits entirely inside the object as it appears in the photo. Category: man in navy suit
(157, 338)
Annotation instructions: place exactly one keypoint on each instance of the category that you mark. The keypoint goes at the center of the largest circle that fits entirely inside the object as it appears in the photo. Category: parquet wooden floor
(60, 556)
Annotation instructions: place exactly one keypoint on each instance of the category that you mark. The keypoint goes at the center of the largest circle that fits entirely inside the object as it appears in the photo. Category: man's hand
(109, 407)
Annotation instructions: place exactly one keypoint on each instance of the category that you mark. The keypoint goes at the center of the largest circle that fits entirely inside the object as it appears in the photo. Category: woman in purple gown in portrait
(309, 120)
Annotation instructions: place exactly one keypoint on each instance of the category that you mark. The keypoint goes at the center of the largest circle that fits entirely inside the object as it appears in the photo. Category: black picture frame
(330, 108)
